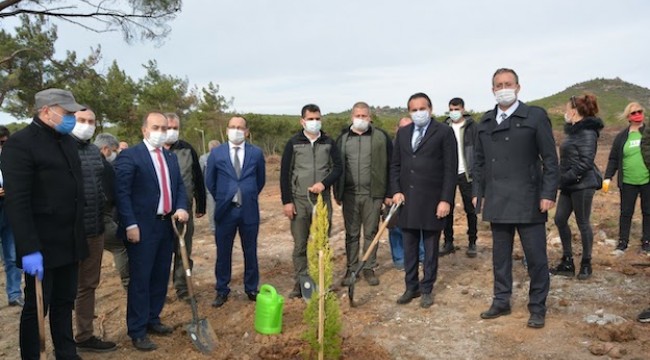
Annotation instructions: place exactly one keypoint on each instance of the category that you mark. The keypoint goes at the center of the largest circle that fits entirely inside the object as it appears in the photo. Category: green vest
(377, 158)
(311, 164)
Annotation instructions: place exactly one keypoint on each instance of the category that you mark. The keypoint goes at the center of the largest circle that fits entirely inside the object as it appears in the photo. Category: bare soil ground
(381, 329)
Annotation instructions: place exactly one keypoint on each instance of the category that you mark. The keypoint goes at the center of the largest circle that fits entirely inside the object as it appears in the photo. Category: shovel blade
(307, 286)
(353, 280)
(202, 335)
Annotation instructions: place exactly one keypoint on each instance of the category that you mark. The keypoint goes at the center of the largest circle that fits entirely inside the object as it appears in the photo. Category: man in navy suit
(235, 176)
(149, 194)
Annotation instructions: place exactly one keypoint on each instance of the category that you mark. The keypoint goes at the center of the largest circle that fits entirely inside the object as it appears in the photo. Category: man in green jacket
(365, 151)
(310, 165)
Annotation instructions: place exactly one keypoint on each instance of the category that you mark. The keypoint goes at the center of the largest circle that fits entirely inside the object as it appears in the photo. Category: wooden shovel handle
(380, 231)
(184, 257)
(41, 316)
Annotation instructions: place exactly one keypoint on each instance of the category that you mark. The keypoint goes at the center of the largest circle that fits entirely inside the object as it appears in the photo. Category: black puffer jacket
(92, 169)
(577, 154)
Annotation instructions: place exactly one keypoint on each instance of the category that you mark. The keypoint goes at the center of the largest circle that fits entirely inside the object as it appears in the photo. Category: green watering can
(268, 311)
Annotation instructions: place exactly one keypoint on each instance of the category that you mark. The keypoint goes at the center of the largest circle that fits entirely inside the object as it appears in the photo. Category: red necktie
(167, 203)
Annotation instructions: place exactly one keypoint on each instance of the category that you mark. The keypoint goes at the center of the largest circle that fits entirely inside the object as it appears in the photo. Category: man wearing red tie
(149, 195)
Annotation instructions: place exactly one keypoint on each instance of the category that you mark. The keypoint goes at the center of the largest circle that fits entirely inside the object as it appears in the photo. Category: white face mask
(83, 131)
(111, 157)
(236, 136)
(567, 118)
(455, 115)
(421, 117)
(157, 138)
(360, 125)
(505, 97)
(172, 136)
(312, 126)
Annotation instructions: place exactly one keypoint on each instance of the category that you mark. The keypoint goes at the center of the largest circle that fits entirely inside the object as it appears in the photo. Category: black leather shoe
(408, 296)
(426, 301)
(536, 321)
(494, 312)
(220, 300)
(370, 277)
(252, 296)
(159, 329)
(447, 248)
(95, 344)
(144, 344)
(471, 251)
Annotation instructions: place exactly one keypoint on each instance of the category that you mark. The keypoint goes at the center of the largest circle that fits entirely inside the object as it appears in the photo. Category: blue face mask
(68, 121)
(67, 124)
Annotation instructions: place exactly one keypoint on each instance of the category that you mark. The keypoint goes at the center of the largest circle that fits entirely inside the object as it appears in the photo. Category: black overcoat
(44, 194)
(425, 176)
(516, 165)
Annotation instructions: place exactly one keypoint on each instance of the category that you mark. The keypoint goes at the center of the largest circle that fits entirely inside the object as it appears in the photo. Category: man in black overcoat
(423, 173)
(45, 203)
(516, 173)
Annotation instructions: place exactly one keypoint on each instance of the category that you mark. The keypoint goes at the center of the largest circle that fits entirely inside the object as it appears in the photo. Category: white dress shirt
(154, 159)
(415, 132)
(508, 112)
(240, 155)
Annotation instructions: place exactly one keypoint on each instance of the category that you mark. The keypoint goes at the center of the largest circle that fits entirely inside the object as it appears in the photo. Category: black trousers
(59, 293)
(629, 194)
(578, 202)
(431, 239)
(533, 240)
(465, 188)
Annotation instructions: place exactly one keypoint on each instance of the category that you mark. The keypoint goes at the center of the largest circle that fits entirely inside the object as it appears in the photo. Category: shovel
(375, 241)
(40, 313)
(200, 331)
(307, 286)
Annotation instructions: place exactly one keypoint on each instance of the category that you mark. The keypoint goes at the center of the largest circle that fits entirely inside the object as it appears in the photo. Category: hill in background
(378, 112)
(613, 95)
(272, 131)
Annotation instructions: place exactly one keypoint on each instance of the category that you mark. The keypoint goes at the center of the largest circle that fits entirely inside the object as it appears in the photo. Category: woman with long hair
(579, 181)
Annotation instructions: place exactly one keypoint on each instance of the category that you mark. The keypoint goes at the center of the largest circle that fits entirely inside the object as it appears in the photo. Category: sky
(273, 57)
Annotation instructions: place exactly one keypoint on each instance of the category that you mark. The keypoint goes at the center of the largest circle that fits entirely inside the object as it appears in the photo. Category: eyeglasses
(636, 112)
(573, 102)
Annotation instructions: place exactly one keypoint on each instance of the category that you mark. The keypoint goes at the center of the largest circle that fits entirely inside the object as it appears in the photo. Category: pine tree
(320, 241)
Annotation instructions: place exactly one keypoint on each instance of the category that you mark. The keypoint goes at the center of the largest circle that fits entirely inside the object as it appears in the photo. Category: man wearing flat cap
(45, 201)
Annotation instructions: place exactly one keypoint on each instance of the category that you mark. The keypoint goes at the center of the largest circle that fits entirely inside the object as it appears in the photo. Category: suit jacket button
(507, 138)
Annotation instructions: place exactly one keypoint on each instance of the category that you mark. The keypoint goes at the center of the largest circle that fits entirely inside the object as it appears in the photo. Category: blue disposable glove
(33, 264)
